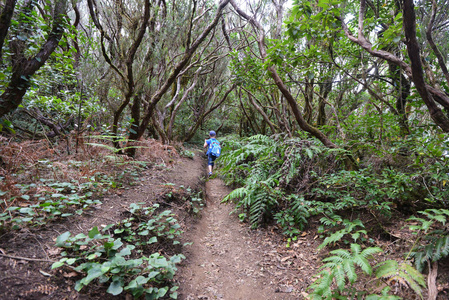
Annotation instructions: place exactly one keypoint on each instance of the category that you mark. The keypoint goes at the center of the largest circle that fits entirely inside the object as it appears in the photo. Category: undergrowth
(41, 182)
(288, 180)
(51, 197)
(128, 256)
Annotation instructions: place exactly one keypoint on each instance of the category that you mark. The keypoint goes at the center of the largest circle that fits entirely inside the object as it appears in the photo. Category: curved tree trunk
(192, 130)
(325, 89)
(5, 22)
(178, 68)
(261, 112)
(176, 108)
(432, 43)
(428, 93)
(24, 68)
(280, 84)
(417, 72)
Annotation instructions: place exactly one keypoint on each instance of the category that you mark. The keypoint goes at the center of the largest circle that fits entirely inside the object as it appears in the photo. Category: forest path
(226, 260)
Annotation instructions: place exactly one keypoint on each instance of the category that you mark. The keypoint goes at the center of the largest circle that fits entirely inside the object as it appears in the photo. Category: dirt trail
(226, 260)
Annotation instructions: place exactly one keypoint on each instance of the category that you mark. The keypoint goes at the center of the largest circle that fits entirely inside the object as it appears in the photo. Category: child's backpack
(215, 149)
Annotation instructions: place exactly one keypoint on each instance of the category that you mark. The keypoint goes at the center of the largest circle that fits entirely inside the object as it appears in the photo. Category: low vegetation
(290, 180)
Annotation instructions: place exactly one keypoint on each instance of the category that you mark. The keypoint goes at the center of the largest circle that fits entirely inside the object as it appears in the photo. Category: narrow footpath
(226, 259)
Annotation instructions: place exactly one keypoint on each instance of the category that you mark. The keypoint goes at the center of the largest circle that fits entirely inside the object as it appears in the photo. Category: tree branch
(432, 43)
(24, 69)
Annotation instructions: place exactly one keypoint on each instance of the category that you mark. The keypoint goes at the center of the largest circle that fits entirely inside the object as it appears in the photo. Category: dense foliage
(290, 180)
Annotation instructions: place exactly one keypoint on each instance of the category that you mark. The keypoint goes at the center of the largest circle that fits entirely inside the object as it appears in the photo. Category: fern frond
(441, 248)
(417, 276)
(386, 269)
(356, 248)
(402, 273)
(322, 286)
(339, 274)
(332, 261)
(237, 193)
(349, 267)
(333, 238)
(407, 280)
(435, 214)
(420, 259)
(341, 253)
(370, 251)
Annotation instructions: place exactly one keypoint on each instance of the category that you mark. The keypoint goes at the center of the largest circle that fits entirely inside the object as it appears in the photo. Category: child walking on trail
(213, 151)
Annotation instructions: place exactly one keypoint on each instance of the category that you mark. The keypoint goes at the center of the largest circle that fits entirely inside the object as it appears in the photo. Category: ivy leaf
(57, 265)
(152, 240)
(116, 287)
(60, 240)
(124, 252)
(93, 273)
(93, 232)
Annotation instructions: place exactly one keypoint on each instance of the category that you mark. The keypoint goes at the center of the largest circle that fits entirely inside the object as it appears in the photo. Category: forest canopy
(167, 69)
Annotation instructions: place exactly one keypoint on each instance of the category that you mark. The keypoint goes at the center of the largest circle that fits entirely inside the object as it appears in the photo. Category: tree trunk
(24, 68)
(5, 22)
(192, 130)
(414, 71)
(260, 110)
(280, 84)
(325, 89)
(178, 68)
(417, 72)
(175, 110)
(434, 47)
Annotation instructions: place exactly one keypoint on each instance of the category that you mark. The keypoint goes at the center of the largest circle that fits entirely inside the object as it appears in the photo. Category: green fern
(264, 167)
(342, 267)
(235, 194)
(403, 273)
(435, 250)
(338, 235)
(433, 232)
(322, 286)
(257, 198)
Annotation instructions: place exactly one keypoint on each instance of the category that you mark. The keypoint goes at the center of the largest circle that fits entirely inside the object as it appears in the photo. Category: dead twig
(26, 258)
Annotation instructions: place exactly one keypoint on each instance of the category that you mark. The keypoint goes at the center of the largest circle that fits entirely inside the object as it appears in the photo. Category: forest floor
(225, 260)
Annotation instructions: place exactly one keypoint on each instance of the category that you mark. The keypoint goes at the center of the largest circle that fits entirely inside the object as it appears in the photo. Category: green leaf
(60, 240)
(108, 245)
(144, 232)
(116, 287)
(57, 265)
(93, 273)
(94, 231)
(117, 244)
(152, 240)
(124, 252)
(162, 291)
(92, 256)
